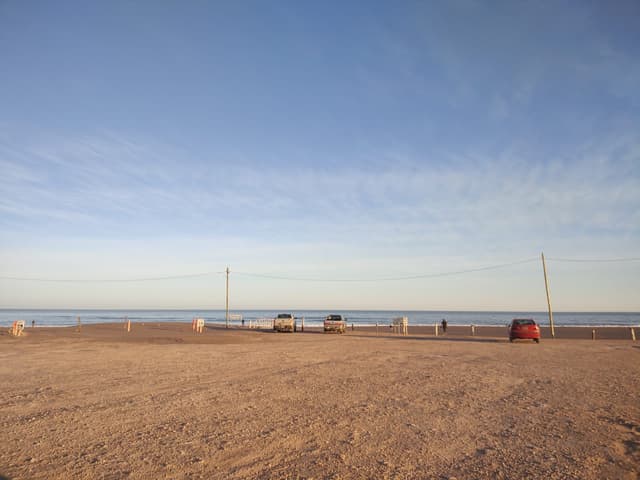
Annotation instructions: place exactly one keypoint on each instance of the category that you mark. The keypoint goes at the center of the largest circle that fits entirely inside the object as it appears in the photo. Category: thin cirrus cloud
(107, 180)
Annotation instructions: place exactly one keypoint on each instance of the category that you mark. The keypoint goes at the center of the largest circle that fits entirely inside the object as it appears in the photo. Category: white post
(226, 317)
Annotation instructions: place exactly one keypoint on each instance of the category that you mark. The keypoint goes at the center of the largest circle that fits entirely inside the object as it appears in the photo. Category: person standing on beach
(444, 326)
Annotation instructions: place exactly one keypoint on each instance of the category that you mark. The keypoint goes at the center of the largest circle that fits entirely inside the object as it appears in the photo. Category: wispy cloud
(111, 184)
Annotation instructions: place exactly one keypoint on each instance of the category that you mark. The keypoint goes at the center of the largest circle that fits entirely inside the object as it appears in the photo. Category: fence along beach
(384, 328)
(475, 324)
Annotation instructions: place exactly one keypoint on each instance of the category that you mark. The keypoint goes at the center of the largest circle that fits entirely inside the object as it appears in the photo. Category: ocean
(61, 318)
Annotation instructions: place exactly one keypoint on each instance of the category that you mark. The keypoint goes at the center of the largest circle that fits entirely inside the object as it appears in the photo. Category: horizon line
(236, 310)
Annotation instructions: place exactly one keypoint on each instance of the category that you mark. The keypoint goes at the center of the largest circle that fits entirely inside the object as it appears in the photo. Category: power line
(267, 276)
(388, 279)
(308, 279)
(595, 260)
(110, 280)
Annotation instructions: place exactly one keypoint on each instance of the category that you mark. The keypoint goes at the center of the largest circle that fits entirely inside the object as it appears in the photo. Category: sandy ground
(162, 402)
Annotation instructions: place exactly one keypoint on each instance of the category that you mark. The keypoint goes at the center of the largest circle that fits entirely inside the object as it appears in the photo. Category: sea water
(61, 318)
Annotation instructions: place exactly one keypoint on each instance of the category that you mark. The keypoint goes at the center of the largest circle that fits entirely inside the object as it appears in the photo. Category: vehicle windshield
(524, 322)
(284, 315)
(334, 317)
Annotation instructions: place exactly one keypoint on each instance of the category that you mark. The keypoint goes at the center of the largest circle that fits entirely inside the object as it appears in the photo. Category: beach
(163, 402)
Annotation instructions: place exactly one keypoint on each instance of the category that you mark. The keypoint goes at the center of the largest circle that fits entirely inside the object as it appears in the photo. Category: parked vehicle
(335, 323)
(524, 328)
(285, 322)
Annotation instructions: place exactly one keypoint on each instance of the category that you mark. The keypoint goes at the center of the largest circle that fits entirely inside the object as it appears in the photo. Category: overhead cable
(110, 280)
(388, 279)
(595, 260)
(309, 279)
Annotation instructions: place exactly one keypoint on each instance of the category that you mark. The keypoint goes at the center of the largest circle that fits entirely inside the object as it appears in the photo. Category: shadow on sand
(435, 339)
(389, 336)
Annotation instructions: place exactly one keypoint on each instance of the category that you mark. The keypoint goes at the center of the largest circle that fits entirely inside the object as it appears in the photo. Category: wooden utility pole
(546, 284)
(227, 302)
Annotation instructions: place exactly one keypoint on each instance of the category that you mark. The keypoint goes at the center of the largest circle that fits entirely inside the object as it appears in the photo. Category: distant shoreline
(236, 309)
(361, 318)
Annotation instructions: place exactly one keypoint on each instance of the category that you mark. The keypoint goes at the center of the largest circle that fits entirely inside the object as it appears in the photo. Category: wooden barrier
(261, 323)
(401, 325)
(17, 327)
(436, 328)
(199, 325)
(593, 334)
(633, 334)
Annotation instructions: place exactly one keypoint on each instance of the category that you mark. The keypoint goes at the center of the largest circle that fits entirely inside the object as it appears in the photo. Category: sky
(334, 155)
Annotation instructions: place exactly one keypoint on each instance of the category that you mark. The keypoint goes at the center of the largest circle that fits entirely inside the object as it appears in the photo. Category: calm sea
(60, 318)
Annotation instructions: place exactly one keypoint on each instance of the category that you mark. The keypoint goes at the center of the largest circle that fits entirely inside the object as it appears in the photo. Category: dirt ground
(164, 403)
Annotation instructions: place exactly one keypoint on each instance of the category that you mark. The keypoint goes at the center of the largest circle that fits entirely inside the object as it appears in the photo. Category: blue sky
(320, 140)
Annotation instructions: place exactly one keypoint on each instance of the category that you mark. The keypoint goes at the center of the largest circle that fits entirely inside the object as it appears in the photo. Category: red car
(524, 328)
